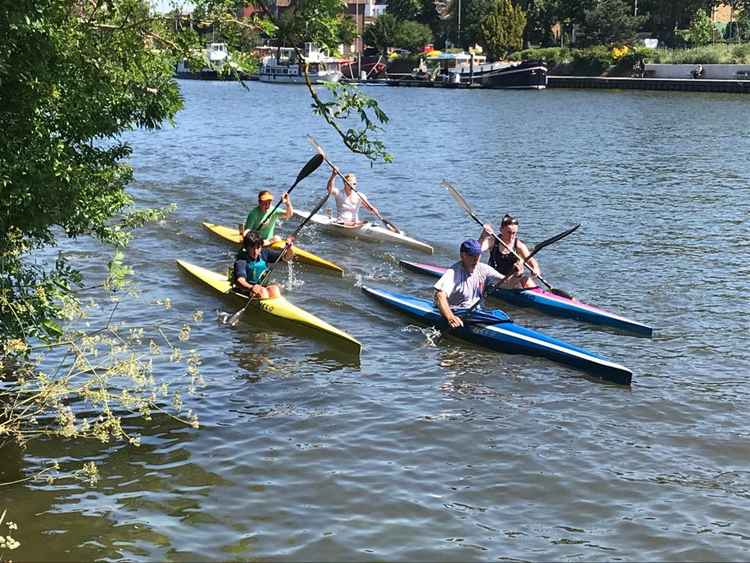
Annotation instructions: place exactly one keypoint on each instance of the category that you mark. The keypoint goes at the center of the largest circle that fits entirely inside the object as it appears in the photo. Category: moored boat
(548, 302)
(506, 336)
(472, 69)
(282, 66)
(301, 255)
(278, 307)
(365, 231)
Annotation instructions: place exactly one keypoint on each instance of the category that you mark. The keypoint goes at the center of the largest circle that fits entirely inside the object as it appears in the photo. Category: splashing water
(431, 334)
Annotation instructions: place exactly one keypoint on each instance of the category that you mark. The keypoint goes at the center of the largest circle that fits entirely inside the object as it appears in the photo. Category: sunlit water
(427, 448)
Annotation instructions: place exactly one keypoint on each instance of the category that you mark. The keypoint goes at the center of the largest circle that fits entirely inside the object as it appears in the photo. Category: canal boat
(468, 69)
(282, 66)
(277, 308)
(493, 329)
(547, 302)
(364, 231)
(232, 235)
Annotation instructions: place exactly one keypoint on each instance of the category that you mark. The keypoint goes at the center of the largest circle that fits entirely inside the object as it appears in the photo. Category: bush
(553, 56)
(592, 61)
(709, 54)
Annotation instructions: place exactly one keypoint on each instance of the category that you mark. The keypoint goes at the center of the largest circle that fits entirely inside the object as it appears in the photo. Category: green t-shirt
(255, 218)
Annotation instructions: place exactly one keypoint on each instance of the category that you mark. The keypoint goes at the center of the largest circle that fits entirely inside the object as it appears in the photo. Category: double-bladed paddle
(312, 165)
(466, 207)
(234, 319)
(322, 153)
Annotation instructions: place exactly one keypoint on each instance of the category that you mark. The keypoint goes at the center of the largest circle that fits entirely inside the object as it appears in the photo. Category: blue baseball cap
(471, 247)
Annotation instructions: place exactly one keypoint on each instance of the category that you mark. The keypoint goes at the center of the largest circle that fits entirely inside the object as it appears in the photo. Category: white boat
(214, 56)
(472, 69)
(284, 67)
(365, 231)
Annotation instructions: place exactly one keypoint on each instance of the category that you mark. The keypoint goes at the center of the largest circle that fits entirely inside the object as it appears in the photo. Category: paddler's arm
(241, 280)
(523, 252)
(288, 204)
(331, 186)
(486, 237)
(369, 205)
(442, 302)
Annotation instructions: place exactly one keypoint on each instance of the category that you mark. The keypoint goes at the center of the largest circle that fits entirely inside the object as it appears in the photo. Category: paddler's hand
(455, 321)
(257, 290)
(489, 230)
(285, 198)
(290, 241)
(519, 269)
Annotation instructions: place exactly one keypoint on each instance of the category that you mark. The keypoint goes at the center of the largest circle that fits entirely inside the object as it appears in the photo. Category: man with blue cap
(462, 285)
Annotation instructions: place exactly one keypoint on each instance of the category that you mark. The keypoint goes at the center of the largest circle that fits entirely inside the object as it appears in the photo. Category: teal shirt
(255, 218)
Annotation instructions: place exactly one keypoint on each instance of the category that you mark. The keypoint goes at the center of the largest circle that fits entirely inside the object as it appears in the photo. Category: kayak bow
(277, 307)
(232, 235)
(506, 336)
(547, 302)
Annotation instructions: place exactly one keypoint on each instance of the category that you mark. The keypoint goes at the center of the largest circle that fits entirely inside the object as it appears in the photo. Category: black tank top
(503, 263)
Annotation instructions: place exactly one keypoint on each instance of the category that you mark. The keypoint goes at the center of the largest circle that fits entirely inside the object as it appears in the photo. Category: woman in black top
(503, 260)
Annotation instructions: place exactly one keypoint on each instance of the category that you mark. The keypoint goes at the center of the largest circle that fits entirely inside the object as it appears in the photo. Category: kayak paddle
(322, 153)
(462, 202)
(234, 319)
(551, 240)
(312, 165)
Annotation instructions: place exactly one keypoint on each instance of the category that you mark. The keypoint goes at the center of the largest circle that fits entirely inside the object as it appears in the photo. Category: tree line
(501, 26)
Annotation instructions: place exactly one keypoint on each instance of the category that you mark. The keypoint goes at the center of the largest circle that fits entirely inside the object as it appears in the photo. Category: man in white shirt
(462, 285)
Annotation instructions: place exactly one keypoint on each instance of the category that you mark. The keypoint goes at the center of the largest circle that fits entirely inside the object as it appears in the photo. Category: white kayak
(365, 231)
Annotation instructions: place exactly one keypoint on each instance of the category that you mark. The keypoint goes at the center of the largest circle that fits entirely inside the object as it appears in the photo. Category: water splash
(431, 334)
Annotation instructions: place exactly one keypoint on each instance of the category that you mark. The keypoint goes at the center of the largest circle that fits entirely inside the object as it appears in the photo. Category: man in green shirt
(258, 214)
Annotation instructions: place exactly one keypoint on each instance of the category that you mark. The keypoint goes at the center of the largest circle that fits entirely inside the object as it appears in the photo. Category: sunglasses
(509, 220)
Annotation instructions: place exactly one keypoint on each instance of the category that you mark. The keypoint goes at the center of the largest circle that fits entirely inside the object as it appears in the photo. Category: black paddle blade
(312, 165)
(552, 240)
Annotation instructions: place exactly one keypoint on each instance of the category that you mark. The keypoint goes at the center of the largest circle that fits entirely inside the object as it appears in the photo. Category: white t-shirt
(347, 207)
(462, 289)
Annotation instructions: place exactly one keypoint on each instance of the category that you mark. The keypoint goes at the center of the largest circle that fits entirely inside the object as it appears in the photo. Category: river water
(425, 448)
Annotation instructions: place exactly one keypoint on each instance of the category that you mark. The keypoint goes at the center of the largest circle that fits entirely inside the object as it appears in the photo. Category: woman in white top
(348, 201)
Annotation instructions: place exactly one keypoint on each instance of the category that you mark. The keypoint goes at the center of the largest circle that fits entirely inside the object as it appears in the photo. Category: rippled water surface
(427, 448)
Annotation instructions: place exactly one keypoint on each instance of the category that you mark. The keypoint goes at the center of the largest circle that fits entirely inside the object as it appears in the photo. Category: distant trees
(610, 21)
(412, 36)
(382, 33)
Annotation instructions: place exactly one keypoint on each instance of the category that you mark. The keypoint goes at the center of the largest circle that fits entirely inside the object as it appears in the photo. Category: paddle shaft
(312, 165)
(552, 240)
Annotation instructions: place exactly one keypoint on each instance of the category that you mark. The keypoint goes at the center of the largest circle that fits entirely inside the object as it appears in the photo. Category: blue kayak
(547, 302)
(494, 329)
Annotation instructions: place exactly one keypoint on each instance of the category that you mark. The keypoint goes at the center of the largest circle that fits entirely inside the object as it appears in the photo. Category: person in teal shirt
(258, 214)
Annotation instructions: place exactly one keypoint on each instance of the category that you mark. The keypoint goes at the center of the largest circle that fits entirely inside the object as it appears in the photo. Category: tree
(701, 29)
(412, 36)
(501, 31)
(382, 33)
(664, 17)
(611, 21)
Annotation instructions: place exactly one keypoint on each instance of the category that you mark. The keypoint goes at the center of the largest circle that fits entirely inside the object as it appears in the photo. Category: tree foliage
(701, 29)
(382, 33)
(412, 36)
(501, 31)
(404, 9)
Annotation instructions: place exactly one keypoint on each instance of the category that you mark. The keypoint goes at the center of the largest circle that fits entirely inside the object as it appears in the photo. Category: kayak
(547, 302)
(233, 235)
(506, 336)
(365, 231)
(277, 307)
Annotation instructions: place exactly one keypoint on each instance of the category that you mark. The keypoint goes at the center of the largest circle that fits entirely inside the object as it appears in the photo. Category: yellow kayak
(278, 307)
(232, 235)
